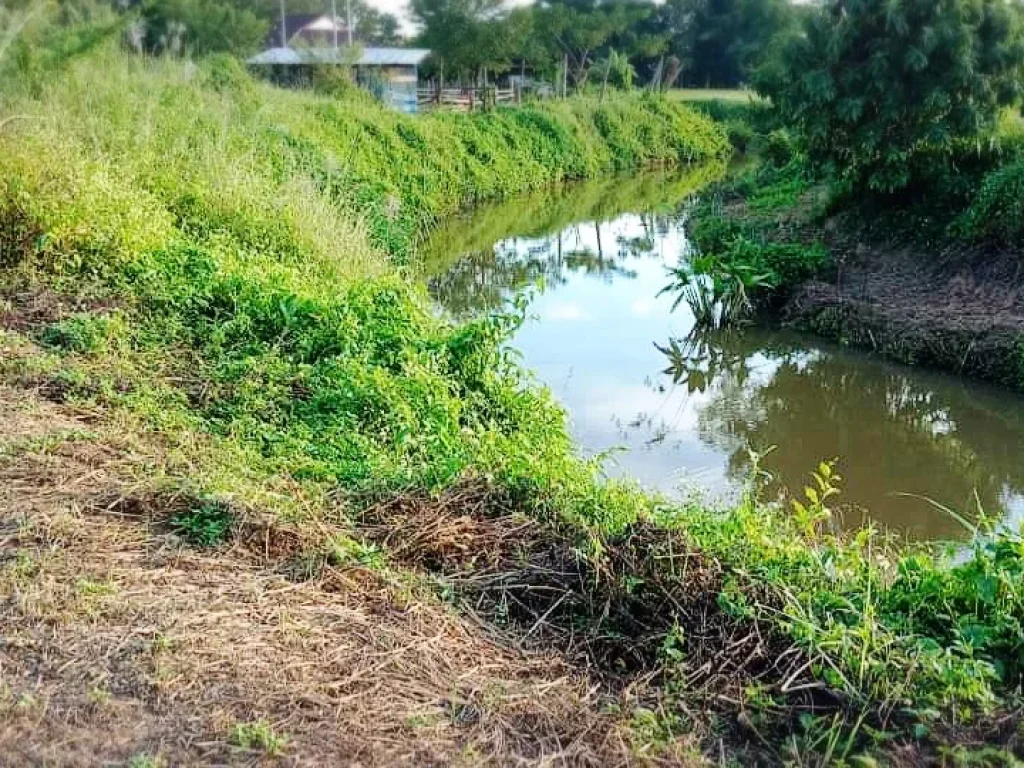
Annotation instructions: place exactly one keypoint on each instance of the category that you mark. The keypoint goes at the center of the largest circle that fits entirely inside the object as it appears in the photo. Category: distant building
(391, 73)
(313, 30)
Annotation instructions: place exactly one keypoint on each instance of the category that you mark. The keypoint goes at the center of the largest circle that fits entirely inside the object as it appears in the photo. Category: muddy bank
(955, 311)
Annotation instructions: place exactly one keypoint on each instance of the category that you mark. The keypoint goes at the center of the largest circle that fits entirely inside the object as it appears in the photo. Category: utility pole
(284, 32)
(348, 21)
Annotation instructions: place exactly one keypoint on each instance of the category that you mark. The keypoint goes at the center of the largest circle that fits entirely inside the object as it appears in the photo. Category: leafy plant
(258, 735)
(205, 525)
(997, 209)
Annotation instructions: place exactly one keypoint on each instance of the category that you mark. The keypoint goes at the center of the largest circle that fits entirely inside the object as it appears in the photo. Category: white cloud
(642, 307)
(564, 311)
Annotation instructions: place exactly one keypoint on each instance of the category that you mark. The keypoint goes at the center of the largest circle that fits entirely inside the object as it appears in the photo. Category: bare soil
(954, 310)
(117, 641)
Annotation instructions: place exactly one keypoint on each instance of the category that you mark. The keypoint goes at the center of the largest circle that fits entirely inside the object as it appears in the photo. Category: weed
(347, 551)
(205, 525)
(89, 588)
(258, 735)
(98, 695)
(146, 760)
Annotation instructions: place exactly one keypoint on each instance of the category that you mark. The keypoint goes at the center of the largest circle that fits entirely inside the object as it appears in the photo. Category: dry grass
(612, 616)
(120, 642)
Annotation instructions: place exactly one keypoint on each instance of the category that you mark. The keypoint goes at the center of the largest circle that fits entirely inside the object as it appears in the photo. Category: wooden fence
(465, 99)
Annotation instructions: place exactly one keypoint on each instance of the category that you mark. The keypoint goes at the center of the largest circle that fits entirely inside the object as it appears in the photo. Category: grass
(737, 95)
(217, 267)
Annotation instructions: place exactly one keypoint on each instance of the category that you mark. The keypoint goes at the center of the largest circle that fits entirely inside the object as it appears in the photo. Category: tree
(202, 26)
(464, 35)
(374, 27)
(580, 29)
(720, 42)
(883, 90)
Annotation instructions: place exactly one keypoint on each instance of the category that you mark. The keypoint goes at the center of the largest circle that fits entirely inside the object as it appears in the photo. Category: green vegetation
(241, 27)
(749, 238)
(882, 93)
(204, 525)
(233, 252)
(855, 177)
(687, 41)
(260, 736)
(997, 211)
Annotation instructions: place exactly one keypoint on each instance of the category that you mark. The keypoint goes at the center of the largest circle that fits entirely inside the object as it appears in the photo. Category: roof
(378, 57)
(296, 23)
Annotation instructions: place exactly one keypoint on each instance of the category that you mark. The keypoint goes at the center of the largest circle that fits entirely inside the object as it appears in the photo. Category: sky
(400, 8)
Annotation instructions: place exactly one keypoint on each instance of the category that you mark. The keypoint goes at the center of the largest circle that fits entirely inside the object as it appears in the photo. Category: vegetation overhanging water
(690, 408)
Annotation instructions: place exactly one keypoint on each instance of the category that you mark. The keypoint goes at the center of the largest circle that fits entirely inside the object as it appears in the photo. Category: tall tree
(202, 26)
(720, 42)
(580, 30)
(881, 90)
(373, 26)
(464, 35)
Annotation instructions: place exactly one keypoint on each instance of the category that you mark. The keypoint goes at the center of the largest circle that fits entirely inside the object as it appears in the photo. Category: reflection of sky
(591, 337)
(592, 341)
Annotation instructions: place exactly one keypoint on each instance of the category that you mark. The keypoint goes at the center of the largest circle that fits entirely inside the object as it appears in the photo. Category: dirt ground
(959, 312)
(121, 646)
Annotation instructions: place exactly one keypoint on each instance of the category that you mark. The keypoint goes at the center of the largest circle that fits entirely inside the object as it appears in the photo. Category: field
(731, 95)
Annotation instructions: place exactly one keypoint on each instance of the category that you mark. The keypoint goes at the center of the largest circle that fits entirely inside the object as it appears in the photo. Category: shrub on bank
(997, 209)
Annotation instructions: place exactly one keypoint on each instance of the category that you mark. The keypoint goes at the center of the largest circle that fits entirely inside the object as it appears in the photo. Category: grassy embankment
(207, 265)
(930, 278)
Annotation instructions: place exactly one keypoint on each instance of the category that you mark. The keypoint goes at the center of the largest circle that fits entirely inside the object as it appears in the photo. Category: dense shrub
(997, 210)
(878, 89)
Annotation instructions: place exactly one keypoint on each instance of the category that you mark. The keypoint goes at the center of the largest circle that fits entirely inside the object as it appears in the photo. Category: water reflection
(895, 430)
(474, 263)
(686, 411)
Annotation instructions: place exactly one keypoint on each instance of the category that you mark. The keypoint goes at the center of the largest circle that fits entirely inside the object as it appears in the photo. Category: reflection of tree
(893, 432)
(474, 263)
(483, 281)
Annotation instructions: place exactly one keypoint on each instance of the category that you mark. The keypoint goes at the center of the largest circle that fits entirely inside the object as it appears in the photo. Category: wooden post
(565, 75)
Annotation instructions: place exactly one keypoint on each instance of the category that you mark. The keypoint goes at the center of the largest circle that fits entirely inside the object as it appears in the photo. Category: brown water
(682, 411)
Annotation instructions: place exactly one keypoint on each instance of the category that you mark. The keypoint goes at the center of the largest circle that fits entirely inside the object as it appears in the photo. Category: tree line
(690, 42)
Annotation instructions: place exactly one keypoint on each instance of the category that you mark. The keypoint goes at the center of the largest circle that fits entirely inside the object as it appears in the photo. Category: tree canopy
(715, 42)
(202, 26)
(881, 89)
(720, 42)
